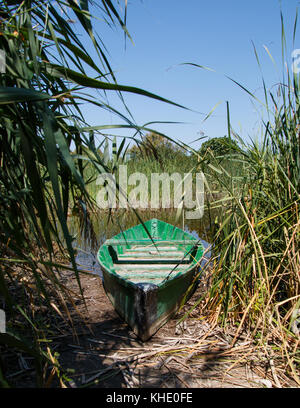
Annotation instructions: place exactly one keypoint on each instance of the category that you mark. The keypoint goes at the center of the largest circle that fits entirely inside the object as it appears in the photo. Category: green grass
(168, 159)
(255, 188)
(255, 283)
(49, 74)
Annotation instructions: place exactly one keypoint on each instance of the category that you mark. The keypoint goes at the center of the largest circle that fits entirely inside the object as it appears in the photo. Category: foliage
(218, 147)
(46, 150)
(49, 74)
(255, 282)
(156, 146)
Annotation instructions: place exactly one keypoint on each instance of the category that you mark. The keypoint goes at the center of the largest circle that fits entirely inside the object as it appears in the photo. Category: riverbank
(196, 353)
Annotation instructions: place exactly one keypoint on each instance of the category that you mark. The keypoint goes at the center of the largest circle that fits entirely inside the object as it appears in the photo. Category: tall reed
(49, 74)
(255, 283)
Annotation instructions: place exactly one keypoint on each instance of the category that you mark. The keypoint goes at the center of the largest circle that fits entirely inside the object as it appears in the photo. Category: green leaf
(12, 95)
(86, 81)
(51, 132)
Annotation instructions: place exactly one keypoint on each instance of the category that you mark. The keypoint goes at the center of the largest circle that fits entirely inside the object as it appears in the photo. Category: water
(88, 242)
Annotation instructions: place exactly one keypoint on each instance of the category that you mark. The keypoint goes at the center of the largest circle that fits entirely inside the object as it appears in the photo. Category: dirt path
(193, 354)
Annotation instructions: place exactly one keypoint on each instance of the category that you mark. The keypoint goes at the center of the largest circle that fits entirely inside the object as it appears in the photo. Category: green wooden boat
(148, 273)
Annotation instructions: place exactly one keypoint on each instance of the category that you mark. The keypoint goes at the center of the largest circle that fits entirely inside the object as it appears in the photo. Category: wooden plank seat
(153, 273)
(145, 251)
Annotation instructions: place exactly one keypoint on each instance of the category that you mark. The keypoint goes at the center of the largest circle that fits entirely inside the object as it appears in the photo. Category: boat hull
(149, 271)
(145, 306)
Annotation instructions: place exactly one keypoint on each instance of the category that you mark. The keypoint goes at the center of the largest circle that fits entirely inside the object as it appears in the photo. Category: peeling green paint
(145, 281)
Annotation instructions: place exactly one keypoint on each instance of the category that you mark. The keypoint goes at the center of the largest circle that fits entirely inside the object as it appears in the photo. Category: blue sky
(217, 34)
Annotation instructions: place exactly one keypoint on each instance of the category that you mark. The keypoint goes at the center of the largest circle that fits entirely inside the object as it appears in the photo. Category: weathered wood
(154, 261)
(149, 267)
(144, 275)
(180, 257)
(156, 241)
(146, 281)
(152, 257)
(152, 248)
(152, 280)
(164, 254)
